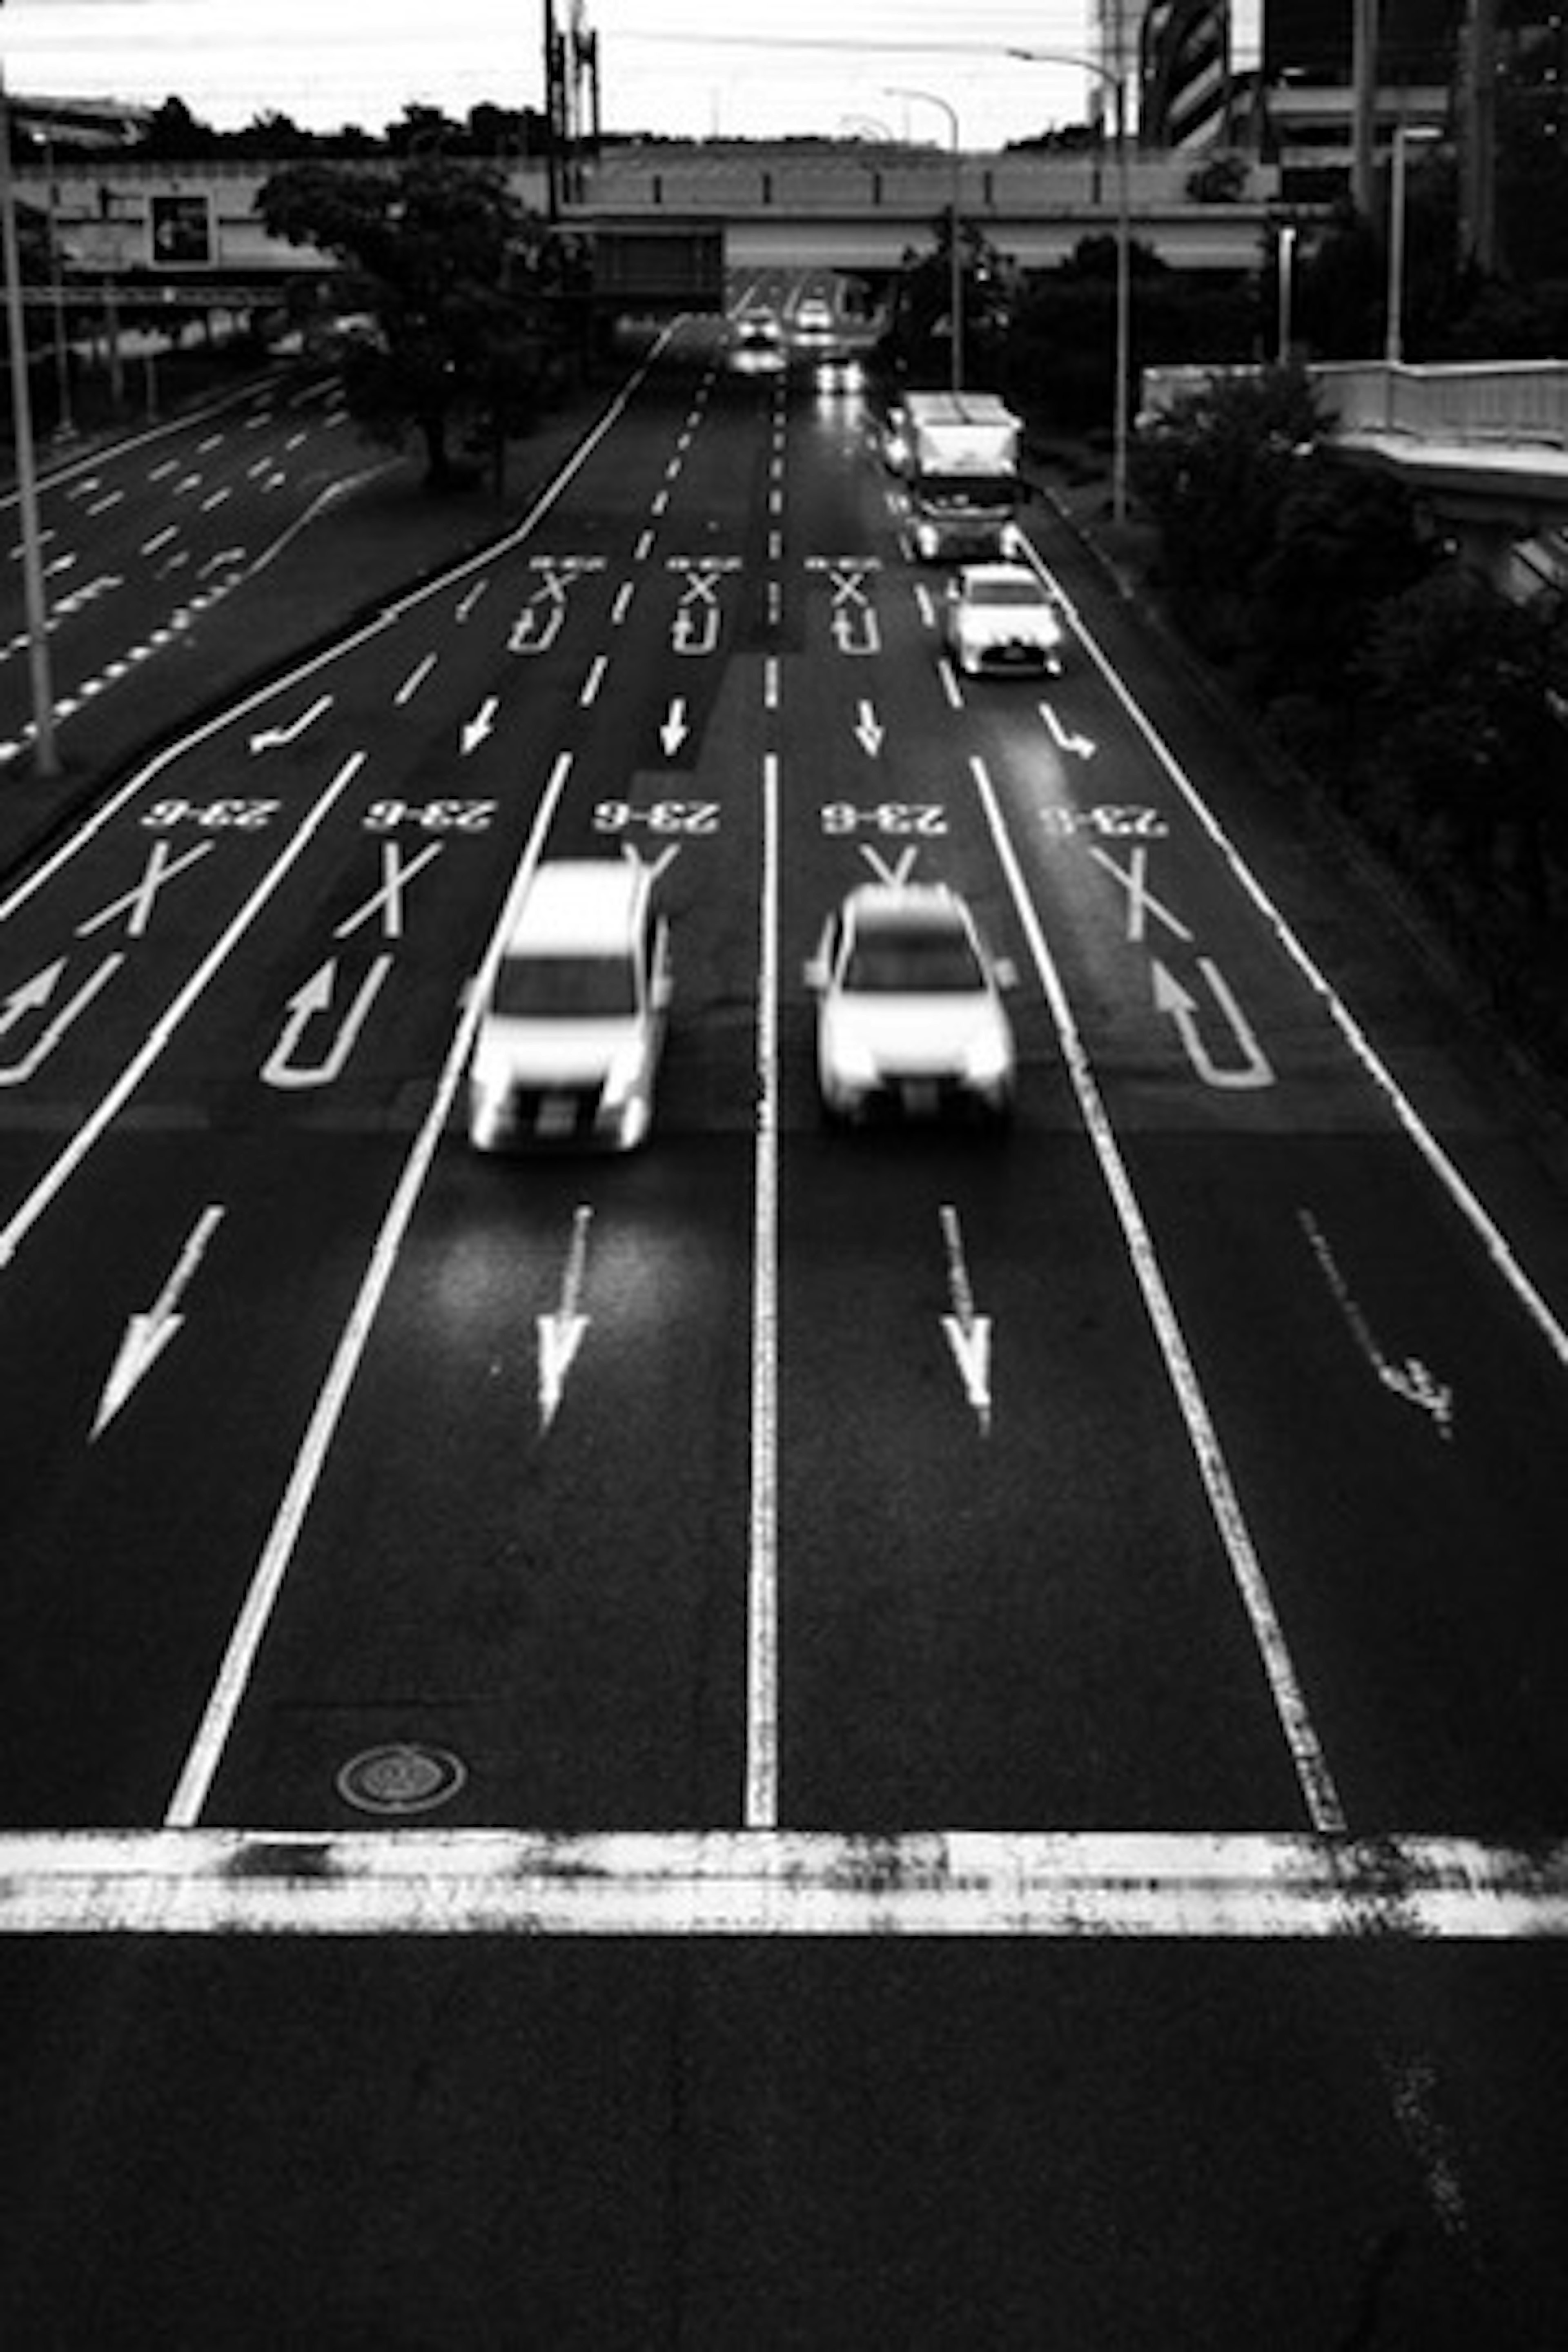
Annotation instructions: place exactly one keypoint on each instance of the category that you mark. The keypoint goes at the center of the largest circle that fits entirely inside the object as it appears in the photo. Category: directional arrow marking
(968, 1334)
(271, 736)
(307, 1002)
(1411, 1380)
(481, 724)
(560, 1333)
(1171, 997)
(869, 732)
(673, 729)
(35, 993)
(148, 1334)
(1067, 739)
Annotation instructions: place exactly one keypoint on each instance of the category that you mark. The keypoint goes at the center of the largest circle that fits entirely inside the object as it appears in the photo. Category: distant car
(758, 348)
(813, 319)
(838, 369)
(569, 1041)
(1001, 617)
(909, 1014)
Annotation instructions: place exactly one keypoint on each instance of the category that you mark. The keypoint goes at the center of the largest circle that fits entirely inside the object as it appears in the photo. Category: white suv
(569, 1041)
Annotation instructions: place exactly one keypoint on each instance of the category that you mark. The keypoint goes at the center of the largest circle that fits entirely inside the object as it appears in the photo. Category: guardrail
(1487, 403)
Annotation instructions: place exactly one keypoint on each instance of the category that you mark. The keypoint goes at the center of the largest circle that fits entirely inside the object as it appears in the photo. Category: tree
(921, 334)
(1345, 538)
(1458, 679)
(441, 254)
(1214, 473)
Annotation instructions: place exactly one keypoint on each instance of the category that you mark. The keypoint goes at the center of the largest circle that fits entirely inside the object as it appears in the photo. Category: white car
(569, 1040)
(1000, 617)
(910, 1012)
(758, 348)
(813, 319)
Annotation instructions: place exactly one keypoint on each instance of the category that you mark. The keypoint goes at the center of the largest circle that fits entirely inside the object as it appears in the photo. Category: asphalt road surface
(800, 1738)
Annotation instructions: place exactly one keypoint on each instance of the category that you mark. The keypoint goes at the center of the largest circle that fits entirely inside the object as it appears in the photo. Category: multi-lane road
(797, 1737)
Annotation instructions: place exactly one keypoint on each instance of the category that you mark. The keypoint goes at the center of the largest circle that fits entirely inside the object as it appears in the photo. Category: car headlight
(988, 1058)
(623, 1079)
(849, 1059)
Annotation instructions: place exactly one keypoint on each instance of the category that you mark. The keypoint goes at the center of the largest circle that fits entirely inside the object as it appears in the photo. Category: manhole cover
(403, 1778)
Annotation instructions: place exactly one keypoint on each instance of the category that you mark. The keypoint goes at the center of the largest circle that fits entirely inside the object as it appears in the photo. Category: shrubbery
(1416, 694)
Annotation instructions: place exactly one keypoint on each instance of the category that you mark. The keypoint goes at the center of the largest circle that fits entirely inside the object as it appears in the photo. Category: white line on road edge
(1243, 1886)
(16, 1229)
(1468, 1202)
(233, 1674)
(1316, 1781)
(761, 1790)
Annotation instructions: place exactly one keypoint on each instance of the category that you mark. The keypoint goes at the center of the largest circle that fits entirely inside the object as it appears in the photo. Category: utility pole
(1364, 71)
(46, 756)
(1478, 226)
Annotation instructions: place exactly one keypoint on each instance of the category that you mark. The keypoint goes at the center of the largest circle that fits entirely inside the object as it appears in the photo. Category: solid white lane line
(58, 1175)
(233, 1674)
(1324, 1809)
(1249, 1886)
(762, 1613)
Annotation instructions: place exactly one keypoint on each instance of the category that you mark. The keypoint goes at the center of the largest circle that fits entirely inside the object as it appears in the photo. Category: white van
(569, 1040)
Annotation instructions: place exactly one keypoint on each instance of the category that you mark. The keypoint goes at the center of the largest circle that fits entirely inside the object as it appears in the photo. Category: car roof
(905, 906)
(580, 906)
(972, 576)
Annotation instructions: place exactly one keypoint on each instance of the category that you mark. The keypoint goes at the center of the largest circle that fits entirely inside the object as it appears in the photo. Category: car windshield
(1004, 591)
(914, 963)
(968, 490)
(565, 988)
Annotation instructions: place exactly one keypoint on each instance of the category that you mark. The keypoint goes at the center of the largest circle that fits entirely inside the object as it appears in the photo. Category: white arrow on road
(1411, 1380)
(147, 1335)
(36, 992)
(1067, 739)
(968, 1334)
(270, 738)
(305, 1006)
(1171, 997)
(560, 1332)
(673, 729)
(869, 732)
(481, 724)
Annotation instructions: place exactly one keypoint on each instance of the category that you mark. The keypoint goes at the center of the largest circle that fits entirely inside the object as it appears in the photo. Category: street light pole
(955, 262)
(1117, 84)
(44, 755)
(1393, 326)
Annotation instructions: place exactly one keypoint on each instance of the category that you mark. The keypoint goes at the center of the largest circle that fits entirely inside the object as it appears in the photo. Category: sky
(699, 68)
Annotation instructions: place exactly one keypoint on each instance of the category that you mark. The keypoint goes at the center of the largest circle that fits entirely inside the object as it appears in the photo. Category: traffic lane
(530, 1544)
(529, 1539)
(1015, 1530)
(158, 1366)
(1003, 1599)
(1394, 1419)
(134, 551)
(528, 1547)
(1088, 2144)
(1280, 1185)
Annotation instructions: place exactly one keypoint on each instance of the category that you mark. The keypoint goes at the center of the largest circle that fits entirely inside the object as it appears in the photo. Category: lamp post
(1286, 263)
(1117, 84)
(46, 756)
(1405, 135)
(955, 263)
